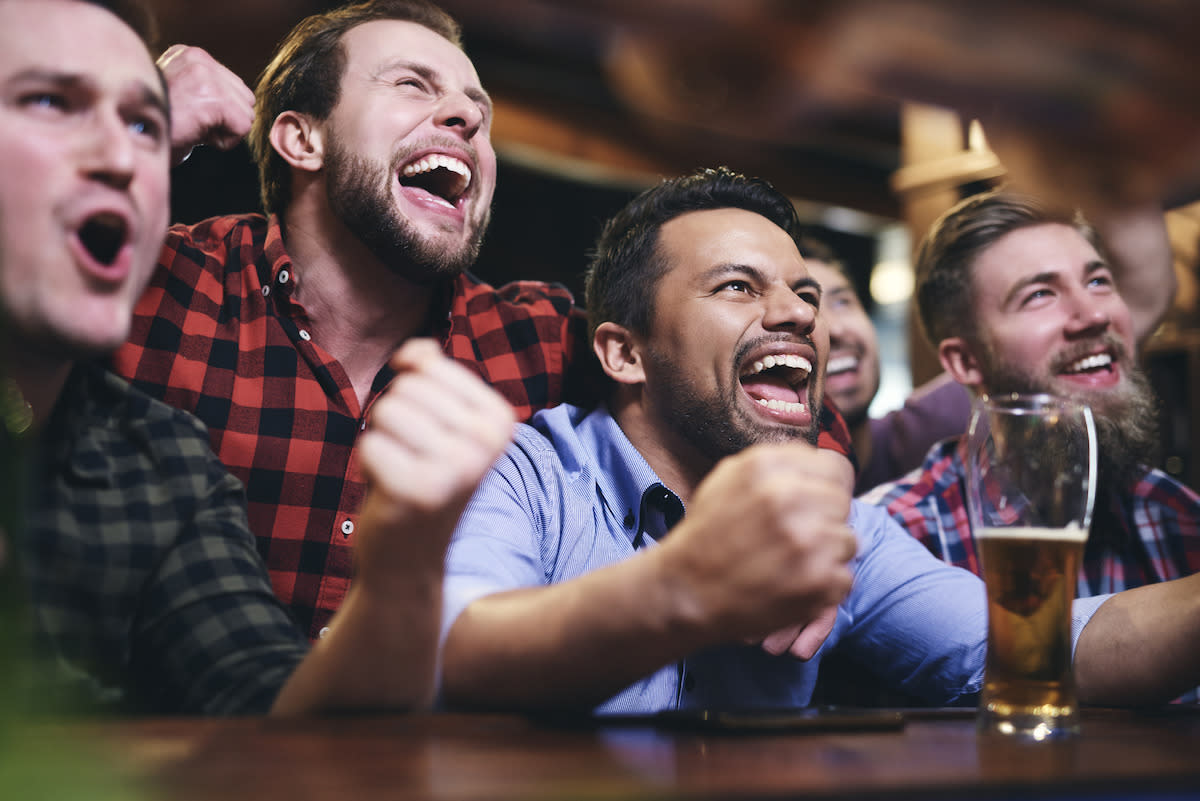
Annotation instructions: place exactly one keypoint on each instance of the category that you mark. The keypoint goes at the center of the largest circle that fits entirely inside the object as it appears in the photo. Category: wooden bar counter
(934, 754)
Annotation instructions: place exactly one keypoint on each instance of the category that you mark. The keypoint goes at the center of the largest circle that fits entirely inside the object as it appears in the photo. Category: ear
(958, 359)
(298, 140)
(619, 354)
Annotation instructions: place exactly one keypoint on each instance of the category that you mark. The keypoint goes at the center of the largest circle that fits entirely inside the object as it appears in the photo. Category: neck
(680, 467)
(360, 310)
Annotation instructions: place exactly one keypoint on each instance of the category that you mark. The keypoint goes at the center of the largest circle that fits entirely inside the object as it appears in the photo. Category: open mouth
(444, 177)
(778, 382)
(841, 364)
(103, 235)
(1094, 364)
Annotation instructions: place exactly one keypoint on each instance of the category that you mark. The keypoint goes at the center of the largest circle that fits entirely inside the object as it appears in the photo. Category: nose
(787, 310)
(1088, 314)
(108, 152)
(457, 110)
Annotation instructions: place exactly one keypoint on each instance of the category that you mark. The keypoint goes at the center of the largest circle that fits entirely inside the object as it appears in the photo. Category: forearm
(1141, 646)
(1139, 249)
(381, 648)
(379, 654)
(572, 644)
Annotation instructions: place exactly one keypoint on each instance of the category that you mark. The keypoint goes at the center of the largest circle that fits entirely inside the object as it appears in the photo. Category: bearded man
(371, 131)
(1016, 298)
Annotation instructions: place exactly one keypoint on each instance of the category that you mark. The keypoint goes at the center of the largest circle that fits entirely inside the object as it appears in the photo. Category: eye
(410, 83)
(1036, 295)
(53, 101)
(148, 127)
(813, 298)
(735, 286)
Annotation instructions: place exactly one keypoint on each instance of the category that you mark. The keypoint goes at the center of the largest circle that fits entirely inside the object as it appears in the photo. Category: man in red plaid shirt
(371, 133)
(1018, 297)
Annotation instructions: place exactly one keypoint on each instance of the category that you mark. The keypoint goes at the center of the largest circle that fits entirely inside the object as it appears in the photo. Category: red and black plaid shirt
(218, 334)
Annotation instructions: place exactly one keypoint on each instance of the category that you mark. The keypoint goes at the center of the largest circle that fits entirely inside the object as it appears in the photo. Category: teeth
(1090, 363)
(430, 163)
(782, 406)
(840, 364)
(792, 361)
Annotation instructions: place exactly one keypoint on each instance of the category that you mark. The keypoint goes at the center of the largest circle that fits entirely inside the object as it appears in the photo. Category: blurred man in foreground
(146, 592)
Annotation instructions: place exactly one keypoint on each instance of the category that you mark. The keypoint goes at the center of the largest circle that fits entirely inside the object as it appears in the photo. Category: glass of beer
(1031, 485)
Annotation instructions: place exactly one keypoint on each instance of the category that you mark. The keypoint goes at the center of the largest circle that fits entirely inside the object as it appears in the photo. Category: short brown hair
(305, 75)
(947, 255)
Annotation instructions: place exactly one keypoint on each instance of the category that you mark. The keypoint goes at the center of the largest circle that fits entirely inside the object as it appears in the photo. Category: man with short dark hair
(633, 558)
(886, 447)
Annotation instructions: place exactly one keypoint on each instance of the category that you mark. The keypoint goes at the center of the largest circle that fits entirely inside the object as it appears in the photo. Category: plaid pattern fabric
(147, 592)
(1157, 537)
(218, 334)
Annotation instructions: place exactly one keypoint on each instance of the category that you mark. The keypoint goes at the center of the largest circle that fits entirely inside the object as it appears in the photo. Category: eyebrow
(74, 81)
(1050, 276)
(476, 94)
(721, 270)
(1044, 277)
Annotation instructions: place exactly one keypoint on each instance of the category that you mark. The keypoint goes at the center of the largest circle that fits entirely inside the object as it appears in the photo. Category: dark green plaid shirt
(146, 588)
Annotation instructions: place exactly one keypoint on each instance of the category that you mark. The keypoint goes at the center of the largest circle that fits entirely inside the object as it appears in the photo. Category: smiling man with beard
(575, 580)
(371, 131)
(1017, 298)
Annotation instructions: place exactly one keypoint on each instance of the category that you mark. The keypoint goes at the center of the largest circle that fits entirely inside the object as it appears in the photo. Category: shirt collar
(627, 485)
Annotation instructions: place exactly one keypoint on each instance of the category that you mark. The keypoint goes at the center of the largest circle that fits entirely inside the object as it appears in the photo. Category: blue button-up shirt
(567, 498)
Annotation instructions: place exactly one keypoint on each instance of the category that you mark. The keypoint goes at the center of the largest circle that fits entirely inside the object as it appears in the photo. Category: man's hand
(210, 105)
(764, 544)
(432, 437)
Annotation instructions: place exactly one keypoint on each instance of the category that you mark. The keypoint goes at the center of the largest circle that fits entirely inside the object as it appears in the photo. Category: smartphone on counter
(806, 719)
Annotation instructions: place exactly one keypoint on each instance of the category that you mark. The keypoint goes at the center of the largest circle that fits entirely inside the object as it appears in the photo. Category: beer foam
(1071, 533)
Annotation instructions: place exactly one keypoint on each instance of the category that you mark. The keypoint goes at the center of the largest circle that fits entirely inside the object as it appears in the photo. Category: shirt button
(283, 276)
(324, 631)
(347, 527)
(362, 426)
(266, 291)
(305, 335)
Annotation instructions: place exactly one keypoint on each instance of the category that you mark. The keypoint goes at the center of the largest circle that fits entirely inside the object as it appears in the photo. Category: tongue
(767, 388)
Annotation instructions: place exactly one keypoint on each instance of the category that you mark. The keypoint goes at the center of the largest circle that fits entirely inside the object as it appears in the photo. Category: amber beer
(1030, 575)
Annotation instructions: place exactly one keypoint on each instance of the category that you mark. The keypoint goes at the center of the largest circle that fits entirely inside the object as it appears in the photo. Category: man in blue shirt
(563, 586)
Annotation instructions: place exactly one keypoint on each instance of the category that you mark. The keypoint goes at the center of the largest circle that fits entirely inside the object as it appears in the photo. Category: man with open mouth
(372, 136)
(146, 594)
(1017, 297)
(645, 555)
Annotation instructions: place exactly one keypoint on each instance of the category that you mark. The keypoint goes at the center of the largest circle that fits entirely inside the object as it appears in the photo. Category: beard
(359, 191)
(1126, 417)
(715, 423)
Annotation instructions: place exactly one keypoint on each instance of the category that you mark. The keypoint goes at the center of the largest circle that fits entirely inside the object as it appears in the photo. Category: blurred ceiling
(565, 80)
(1091, 98)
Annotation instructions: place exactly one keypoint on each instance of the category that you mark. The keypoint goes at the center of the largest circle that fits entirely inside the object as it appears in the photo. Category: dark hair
(948, 252)
(305, 75)
(626, 263)
(818, 250)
